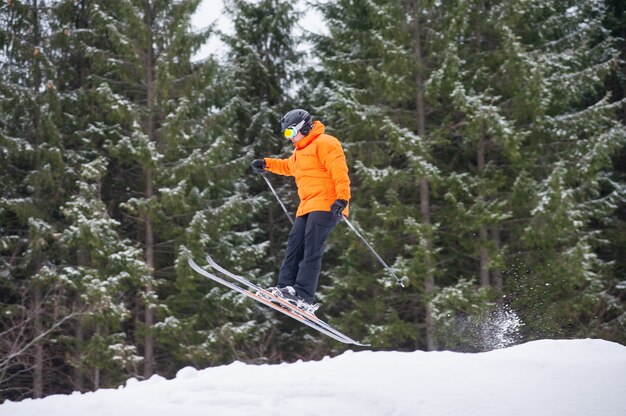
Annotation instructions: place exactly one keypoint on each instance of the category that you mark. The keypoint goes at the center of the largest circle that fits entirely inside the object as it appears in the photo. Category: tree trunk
(483, 231)
(149, 313)
(96, 371)
(37, 307)
(498, 281)
(38, 355)
(624, 106)
(78, 353)
(484, 256)
(623, 76)
(429, 282)
(149, 232)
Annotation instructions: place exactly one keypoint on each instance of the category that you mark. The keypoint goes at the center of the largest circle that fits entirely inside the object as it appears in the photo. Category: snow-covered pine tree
(366, 90)
(99, 269)
(244, 229)
(614, 322)
(100, 264)
(475, 87)
(150, 86)
(520, 84)
(32, 172)
(573, 135)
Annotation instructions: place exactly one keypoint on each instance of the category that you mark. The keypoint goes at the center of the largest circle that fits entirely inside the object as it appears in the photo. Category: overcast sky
(211, 11)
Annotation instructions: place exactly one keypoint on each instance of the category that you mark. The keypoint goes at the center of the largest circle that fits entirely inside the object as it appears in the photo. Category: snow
(548, 377)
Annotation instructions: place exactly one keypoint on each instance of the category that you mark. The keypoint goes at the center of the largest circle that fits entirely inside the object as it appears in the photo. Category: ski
(282, 302)
(333, 334)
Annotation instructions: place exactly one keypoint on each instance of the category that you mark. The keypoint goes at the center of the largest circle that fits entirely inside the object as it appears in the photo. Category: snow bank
(576, 377)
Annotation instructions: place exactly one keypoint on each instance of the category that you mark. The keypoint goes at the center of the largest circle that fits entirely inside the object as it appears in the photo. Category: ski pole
(343, 217)
(277, 197)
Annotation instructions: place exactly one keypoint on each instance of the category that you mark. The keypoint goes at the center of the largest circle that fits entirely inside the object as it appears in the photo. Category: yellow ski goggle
(291, 131)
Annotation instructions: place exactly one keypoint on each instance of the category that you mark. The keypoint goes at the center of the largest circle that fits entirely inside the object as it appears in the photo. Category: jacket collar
(318, 128)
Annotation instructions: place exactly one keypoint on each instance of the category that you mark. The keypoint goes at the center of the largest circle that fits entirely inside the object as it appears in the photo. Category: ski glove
(338, 206)
(258, 165)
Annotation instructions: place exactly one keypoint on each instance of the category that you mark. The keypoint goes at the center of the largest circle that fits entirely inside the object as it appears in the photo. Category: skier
(319, 167)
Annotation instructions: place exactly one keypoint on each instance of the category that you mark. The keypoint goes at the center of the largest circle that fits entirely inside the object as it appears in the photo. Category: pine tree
(520, 185)
(32, 185)
(475, 87)
(485, 102)
(158, 93)
(104, 265)
(260, 68)
(612, 312)
(368, 95)
(571, 144)
(241, 227)
(101, 264)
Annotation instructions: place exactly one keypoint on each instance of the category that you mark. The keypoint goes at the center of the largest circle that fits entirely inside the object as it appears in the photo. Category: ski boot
(274, 290)
(289, 294)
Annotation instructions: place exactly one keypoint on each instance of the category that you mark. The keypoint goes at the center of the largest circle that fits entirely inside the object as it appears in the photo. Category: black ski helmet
(294, 117)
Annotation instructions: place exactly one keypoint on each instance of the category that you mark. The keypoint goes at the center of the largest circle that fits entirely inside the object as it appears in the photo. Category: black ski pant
(303, 259)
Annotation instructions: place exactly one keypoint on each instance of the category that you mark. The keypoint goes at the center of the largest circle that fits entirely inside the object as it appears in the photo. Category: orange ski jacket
(319, 167)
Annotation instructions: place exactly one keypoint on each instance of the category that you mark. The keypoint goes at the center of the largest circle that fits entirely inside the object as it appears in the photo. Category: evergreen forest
(486, 144)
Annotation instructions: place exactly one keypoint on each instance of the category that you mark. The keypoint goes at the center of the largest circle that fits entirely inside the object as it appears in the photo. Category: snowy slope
(556, 378)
